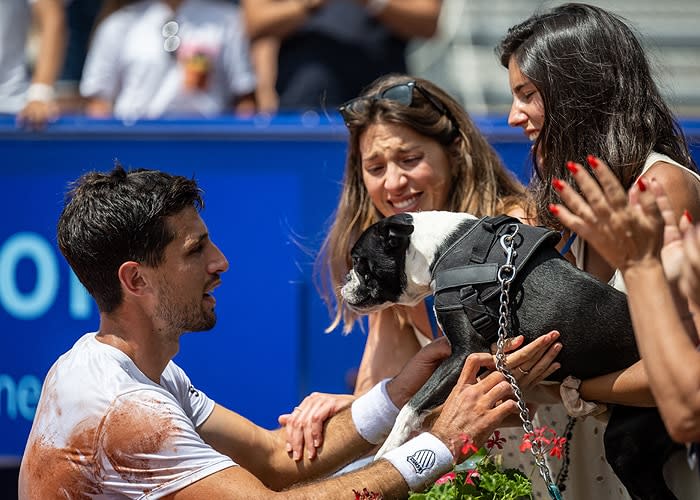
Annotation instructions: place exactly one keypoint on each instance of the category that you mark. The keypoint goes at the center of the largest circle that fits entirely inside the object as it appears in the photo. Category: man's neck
(150, 350)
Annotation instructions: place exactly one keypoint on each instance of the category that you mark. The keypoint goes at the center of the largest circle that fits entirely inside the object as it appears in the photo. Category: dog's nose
(348, 278)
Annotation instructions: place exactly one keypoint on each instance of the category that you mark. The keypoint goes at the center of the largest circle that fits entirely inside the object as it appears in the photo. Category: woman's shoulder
(673, 176)
(681, 184)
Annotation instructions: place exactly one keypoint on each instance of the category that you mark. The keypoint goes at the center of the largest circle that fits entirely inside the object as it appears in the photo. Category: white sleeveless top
(578, 248)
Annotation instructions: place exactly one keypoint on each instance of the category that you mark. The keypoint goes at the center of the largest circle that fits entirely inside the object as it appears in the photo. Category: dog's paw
(407, 422)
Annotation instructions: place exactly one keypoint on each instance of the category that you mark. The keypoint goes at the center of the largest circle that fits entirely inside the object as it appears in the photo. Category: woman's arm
(631, 386)
(670, 357)
(277, 18)
(389, 346)
(410, 18)
(406, 18)
(630, 235)
(626, 387)
(40, 107)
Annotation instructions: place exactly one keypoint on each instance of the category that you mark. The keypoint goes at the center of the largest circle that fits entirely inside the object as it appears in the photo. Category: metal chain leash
(506, 275)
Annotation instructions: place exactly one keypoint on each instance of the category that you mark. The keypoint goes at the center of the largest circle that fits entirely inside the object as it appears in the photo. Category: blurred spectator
(156, 58)
(80, 21)
(321, 53)
(32, 103)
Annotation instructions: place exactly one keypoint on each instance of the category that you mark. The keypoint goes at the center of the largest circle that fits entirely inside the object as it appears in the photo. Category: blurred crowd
(134, 59)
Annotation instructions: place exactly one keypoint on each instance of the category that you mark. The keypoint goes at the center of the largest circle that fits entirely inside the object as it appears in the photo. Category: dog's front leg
(464, 340)
(433, 393)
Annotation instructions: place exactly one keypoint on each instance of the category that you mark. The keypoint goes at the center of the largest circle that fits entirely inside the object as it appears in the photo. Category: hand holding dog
(304, 426)
(534, 362)
(476, 406)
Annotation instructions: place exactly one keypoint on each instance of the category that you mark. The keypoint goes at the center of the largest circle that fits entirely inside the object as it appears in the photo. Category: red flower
(557, 447)
(470, 474)
(496, 440)
(541, 432)
(526, 444)
(468, 445)
(554, 444)
(450, 476)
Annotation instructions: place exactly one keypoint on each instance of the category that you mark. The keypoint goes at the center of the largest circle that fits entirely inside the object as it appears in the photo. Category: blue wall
(270, 189)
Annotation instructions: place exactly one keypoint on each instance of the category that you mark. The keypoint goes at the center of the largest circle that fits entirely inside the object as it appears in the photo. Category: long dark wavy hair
(598, 94)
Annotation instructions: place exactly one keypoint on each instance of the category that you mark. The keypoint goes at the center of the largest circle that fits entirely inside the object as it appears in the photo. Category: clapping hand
(626, 229)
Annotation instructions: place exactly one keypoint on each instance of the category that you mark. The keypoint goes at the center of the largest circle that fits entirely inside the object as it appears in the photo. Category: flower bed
(482, 476)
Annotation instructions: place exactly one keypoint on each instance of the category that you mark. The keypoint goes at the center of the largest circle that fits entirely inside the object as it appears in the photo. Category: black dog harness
(466, 274)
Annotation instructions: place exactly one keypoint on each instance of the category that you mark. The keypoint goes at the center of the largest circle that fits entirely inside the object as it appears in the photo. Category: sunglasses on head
(401, 93)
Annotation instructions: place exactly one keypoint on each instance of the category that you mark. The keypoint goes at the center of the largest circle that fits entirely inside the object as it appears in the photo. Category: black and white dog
(457, 257)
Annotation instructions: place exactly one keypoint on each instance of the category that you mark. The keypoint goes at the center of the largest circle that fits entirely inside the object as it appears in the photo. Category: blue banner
(270, 190)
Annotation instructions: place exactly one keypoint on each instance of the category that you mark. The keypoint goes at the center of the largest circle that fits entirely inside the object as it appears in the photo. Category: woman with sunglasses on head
(411, 148)
(582, 85)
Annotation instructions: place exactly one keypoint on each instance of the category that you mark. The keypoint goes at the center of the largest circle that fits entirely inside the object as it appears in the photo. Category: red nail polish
(641, 185)
(553, 209)
(558, 184)
(572, 167)
(592, 161)
(687, 215)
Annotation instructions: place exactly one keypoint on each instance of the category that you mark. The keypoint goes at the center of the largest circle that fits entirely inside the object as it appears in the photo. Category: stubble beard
(192, 317)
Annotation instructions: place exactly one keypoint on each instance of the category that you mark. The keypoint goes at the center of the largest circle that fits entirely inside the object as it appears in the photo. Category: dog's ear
(397, 231)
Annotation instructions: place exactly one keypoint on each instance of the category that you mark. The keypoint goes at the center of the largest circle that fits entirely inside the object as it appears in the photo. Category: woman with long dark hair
(582, 86)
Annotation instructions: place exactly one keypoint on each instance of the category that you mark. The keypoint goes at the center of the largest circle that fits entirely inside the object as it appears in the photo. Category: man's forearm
(342, 444)
(380, 477)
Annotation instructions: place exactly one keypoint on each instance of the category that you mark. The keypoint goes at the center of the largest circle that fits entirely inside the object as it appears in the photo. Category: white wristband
(376, 7)
(421, 461)
(575, 406)
(40, 92)
(374, 413)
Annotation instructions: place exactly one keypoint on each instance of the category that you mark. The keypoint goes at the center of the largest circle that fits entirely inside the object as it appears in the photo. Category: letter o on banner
(35, 303)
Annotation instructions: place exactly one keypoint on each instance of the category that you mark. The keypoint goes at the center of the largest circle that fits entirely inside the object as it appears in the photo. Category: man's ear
(132, 278)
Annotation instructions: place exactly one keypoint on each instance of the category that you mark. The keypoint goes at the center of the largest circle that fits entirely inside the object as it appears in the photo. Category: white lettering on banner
(35, 303)
(19, 399)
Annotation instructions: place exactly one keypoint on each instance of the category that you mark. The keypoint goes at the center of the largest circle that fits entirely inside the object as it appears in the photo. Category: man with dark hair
(117, 418)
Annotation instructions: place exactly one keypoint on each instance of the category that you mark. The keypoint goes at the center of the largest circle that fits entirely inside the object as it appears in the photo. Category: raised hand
(624, 232)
